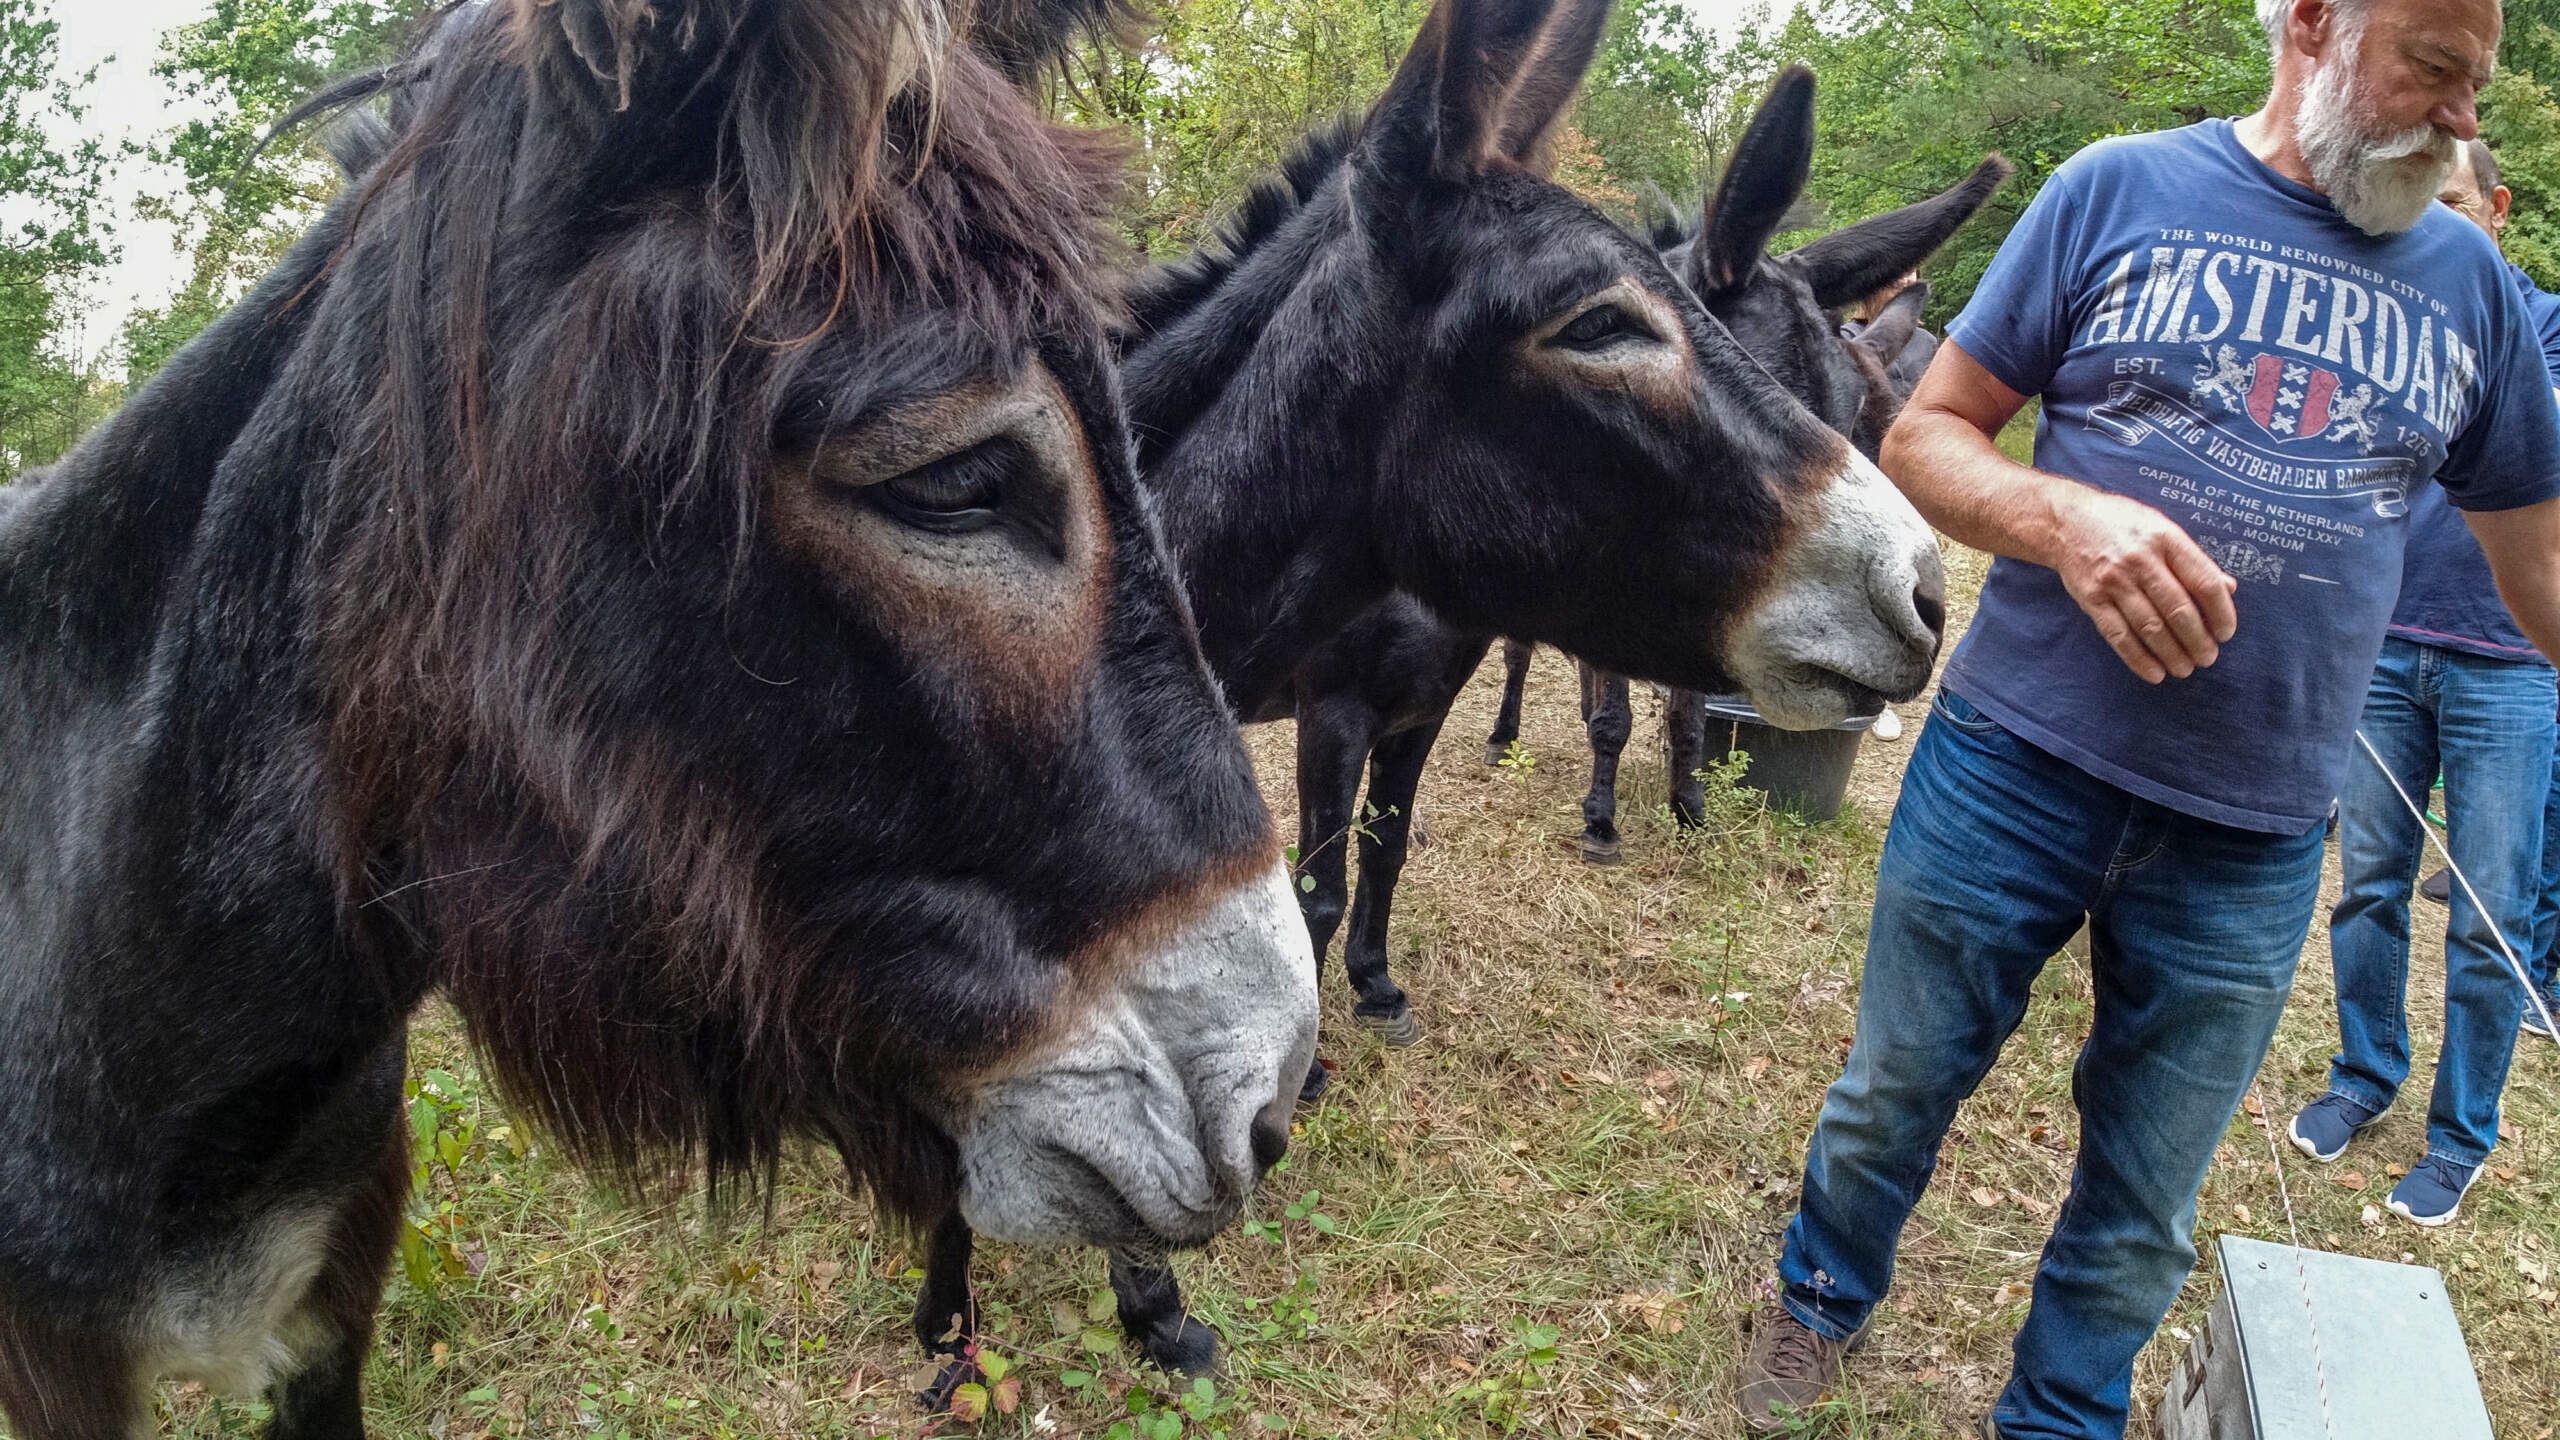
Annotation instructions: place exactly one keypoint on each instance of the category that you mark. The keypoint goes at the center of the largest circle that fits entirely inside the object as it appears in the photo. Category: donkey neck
(1260, 412)
(94, 545)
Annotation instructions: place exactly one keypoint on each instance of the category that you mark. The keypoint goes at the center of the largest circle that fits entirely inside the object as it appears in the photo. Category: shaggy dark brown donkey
(660, 561)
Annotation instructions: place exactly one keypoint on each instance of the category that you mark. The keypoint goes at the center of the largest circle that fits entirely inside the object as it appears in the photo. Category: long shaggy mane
(576, 278)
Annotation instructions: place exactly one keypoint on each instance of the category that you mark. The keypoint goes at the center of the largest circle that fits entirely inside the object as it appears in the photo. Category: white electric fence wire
(2524, 977)
(2301, 1270)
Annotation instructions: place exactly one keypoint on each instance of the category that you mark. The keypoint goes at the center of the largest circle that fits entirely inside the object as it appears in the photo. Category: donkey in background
(660, 391)
(1376, 695)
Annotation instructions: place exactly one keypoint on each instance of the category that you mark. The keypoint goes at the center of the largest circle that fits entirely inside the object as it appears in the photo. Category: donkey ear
(1847, 264)
(1891, 331)
(1768, 171)
(1545, 91)
(1442, 114)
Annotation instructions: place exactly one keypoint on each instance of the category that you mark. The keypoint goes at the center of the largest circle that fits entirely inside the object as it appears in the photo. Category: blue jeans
(1997, 853)
(2488, 725)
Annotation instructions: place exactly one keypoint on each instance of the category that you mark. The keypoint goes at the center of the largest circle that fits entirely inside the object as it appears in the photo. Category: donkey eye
(1600, 327)
(958, 493)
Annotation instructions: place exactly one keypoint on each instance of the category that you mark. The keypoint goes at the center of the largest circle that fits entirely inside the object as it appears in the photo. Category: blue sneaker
(2431, 1195)
(2532, 1022)
(2324, 1126)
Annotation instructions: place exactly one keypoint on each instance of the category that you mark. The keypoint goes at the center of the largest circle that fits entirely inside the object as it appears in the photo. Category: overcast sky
(122, 38)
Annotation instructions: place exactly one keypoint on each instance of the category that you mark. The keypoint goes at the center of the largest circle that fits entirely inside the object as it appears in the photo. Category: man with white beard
(2255, 341)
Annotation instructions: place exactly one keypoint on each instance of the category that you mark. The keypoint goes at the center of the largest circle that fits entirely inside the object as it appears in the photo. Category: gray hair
(2272, 13)
(2484, 166)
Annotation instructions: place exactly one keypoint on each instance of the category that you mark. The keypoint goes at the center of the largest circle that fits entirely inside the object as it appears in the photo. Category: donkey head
(1784, 309)
(1877, 350)
(747, 663)
(1568, 410)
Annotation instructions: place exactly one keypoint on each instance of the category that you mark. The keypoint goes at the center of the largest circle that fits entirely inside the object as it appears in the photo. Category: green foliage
(2521, 121)
(1914, 93)
(54, 241)
(251, 62)
(1225, 89)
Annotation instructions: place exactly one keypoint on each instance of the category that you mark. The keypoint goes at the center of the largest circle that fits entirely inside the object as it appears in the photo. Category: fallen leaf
(439, 1352)
(2395, 1171)
(2353, 1180)
(1984, 1196)
(2038, 1132)
(2253, 1104)
(2503, 1172)
(2241, 1214)
(2010, 1294)
(1661, 1080)
(1755, 1067)
(2371, 1216)
(823, 1276)
(2029, 1203)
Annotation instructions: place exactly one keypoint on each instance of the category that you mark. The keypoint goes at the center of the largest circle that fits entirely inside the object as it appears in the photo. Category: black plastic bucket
(1806, 771)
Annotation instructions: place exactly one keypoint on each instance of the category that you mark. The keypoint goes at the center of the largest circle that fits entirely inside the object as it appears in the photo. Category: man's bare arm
(2523, 547)
(2159, 601)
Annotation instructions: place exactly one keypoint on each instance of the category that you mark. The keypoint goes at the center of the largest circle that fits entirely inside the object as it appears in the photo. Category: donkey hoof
(1496, 751)
(935, 1399)
(1396, 1030)
(1319, 1079)
(1599, 852)
(1183, 1346)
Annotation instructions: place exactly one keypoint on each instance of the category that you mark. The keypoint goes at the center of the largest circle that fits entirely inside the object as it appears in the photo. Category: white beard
(2380, 183)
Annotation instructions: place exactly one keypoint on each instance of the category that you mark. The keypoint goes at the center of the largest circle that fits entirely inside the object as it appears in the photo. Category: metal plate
(2395, 1359)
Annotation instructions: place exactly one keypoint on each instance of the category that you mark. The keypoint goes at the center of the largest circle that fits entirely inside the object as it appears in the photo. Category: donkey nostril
(1270, 1142)
(1930, 599)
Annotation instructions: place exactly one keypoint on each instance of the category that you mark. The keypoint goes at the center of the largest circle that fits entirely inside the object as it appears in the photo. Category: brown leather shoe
(1791, 1367)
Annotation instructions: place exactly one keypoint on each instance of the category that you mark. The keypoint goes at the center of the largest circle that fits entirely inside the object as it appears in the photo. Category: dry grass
(1599, 1134)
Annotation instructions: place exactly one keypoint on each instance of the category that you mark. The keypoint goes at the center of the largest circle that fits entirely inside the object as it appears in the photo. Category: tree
(2522, 124)
(1915, 92)
(243, 198)
(48, 394)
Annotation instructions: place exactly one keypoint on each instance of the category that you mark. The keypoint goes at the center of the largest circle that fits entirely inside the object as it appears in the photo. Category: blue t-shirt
(2447, 597)
(2214, 340)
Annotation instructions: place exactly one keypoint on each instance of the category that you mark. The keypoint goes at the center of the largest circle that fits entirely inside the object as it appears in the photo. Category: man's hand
(2158, 600)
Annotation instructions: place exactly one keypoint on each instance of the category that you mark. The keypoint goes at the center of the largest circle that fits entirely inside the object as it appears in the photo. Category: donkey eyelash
(957, 494)
(1600, 327)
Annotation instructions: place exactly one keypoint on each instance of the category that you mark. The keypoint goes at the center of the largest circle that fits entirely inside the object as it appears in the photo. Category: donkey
(589, 575)
(1376, 696)
(1414, 362)
(1796, 296)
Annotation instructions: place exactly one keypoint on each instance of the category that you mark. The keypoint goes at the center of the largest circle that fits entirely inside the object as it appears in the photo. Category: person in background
(2256, 341)
(2458, 689)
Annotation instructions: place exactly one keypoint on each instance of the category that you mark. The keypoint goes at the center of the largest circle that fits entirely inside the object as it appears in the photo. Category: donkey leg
(946, 1316)
(1684, 741)
(1515, 679)
(324, 1400)
(1395, 772)
(57, 1385)
(1334, 735)
(1609, 718)
(1151, 1316)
